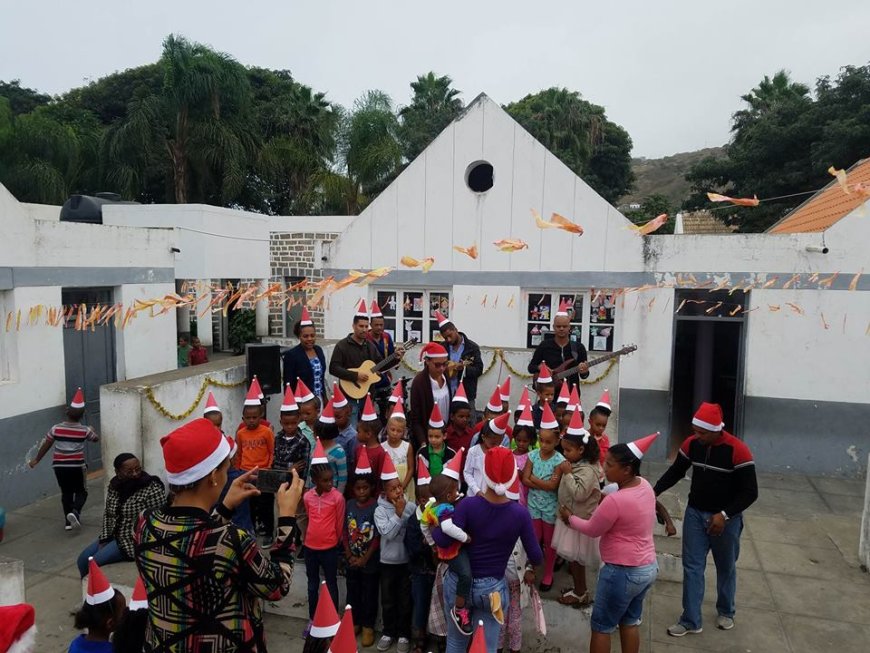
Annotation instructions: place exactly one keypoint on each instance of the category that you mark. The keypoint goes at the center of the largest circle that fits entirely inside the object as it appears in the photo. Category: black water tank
(88, 208)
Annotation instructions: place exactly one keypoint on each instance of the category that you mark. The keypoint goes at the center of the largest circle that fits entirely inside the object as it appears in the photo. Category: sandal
(570, 598)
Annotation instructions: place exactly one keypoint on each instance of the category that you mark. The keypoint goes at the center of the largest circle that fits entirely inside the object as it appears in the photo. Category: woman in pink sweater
(624, 522)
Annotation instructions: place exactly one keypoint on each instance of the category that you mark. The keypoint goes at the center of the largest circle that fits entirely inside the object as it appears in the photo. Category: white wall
(147, 345)
(330, 224)
(17, 246)
(651, 329)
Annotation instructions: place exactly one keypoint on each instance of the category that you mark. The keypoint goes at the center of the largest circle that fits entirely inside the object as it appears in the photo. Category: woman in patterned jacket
(204, 576)
(131, 491)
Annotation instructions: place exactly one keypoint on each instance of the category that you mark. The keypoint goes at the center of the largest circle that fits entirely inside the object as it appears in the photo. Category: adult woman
(204, 575)
(494, 523)
(428, 388)
(306, 361)
(624, 522)
(130, 492)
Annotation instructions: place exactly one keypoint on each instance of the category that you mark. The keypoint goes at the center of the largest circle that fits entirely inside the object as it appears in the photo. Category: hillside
(666, 175)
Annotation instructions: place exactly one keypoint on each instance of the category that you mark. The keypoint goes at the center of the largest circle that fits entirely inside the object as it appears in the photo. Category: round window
(479, 176)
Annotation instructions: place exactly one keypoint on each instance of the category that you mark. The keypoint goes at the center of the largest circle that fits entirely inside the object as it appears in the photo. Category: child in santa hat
(436, 454)
(368, 429)
(491, 435)
(361, 542)
(326, 430)
(421, 563)
(68, 460)
(129, 635)
(398, 449)
(99, 615)
(17, 628)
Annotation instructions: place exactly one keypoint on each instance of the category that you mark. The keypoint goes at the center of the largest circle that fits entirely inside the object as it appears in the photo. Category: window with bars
(410, 313)
(595, 327)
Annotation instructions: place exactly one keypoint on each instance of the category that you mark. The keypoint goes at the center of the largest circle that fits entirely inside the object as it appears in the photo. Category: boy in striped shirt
(68, 459)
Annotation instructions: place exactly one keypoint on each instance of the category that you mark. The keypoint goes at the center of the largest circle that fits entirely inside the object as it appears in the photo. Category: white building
(788, 359)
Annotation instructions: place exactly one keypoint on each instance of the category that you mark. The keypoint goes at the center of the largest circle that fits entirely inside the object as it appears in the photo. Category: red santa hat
(397, 392)
(305, 318)
(499, 469)
(494, 403)
(192, 451)
(453, 468)
(374, 309)
(564, 394)
(78, 400)
(361, 312)
(233, 446)
(526, 417)
(544, 374)
(435, 419)
(574, 404)
(338, 398)
(289, 401)
(441, 319)
(99, 588)
(548, 420)
(433, 350)
(398, 411)
(319, 455)
(563, 309)
(303, 394)
(345, 639)
(211, 405)
(254, 393)
(499, 424)
(478, 642)
(709, 417)
(363, 466)
(604, 402)
(139, 599)
(328, 414)
(641, 446)
(513, 492)
(368, 413)
(460, 395)
(575, 426)
(388, 469)
(505, 390)
(524, 399)
(326, 621)
(17, 628)
(423, 476)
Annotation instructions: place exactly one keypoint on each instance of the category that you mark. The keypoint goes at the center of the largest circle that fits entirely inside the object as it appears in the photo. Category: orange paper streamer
(738, 201)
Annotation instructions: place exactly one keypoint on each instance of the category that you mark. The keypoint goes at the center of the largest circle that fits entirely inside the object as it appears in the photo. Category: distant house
(700, 222)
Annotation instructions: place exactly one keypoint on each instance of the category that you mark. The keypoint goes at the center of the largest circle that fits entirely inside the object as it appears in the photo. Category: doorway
(89, 359)
(707, 359)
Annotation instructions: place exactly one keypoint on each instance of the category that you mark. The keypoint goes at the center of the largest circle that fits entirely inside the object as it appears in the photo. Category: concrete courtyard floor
(800, 587)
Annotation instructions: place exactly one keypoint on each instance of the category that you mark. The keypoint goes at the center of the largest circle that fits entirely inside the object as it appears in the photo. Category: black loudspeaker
(264, 362)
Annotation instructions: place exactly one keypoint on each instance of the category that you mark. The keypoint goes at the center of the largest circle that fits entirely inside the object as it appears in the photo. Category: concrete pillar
(261, 312)
(11, 581)
(203, 316)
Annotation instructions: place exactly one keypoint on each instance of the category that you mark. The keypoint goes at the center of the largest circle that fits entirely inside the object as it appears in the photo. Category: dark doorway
(708, 360)
(89, 359)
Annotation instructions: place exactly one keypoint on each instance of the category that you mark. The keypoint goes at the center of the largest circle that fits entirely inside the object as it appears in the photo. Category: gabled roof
(703, 222)
(826, 207)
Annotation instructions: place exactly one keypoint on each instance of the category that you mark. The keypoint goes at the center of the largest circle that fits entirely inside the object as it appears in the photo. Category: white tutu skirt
(573, 546)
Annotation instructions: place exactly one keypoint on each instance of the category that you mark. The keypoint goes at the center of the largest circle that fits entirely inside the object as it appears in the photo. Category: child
(493, 409)
(492, 434)
(324, 625)
(327, 431)
(439, 515)
(524, 439)
(546, 390)
(183, 352)
(458, 434)
(436, 453)
(261, 402)
(597, 423)
(361, 542)
(291, 447)
(256, 444)
(542, 475)
(325, 507)
(99, 614)
(242, 514)
(309, 411)
(504, 392)
(129, 634)
(391, 518)
(398, 449)
(68, 459)
(198, 354)
(367, 429)
(346, 431)
(421, 563)
(578, 495)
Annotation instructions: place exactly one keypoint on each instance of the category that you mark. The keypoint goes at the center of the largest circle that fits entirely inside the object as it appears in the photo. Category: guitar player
(352, 352)
(464, 362)
(558, 352)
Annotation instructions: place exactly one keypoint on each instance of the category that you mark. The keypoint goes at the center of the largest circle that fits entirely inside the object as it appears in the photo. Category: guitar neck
(595, 361)
(389, 360)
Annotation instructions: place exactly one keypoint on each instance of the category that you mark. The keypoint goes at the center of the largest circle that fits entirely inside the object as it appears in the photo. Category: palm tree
(768, 96)
(434, 105)
(198, 124)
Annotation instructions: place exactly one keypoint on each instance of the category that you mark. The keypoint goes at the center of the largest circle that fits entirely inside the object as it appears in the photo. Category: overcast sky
(671, 72)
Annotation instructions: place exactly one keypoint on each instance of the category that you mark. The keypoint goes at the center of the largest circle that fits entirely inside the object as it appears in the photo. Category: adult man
(464, 363)
(558, 350)
(723, 486)
(352, 352)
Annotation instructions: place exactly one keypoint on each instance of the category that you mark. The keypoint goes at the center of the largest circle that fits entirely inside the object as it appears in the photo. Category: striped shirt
(69, 443)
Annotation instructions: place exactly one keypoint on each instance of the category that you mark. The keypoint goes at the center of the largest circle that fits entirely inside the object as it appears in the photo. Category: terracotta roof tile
(826, 207)
(704, 222)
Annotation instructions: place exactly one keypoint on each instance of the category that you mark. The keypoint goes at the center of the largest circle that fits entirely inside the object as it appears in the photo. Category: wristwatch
(725, 515)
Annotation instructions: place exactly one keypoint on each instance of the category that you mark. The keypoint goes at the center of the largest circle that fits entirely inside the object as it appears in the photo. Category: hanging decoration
(177, 417)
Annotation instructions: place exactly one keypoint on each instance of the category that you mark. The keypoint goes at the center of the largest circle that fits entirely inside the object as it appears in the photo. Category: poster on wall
(602, 308)
(387, 303)
(600, 337)
(575, 310)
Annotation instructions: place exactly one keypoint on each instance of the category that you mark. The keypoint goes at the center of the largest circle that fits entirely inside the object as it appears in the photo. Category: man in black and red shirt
(723, 486)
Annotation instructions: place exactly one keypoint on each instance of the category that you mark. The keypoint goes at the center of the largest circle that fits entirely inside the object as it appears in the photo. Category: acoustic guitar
(568, 368)
(359, 389)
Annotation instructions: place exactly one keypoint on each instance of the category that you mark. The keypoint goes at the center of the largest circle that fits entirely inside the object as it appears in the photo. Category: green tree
(579, 133)
(434, 105)
(651, 207)
(22, 100)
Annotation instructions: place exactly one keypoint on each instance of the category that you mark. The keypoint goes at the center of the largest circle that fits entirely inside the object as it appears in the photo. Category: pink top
(624, 522)
(325, 519)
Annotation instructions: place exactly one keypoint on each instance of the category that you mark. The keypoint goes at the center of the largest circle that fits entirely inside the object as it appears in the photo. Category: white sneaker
(404, 645)
(724, 623)
(678, 630)
(73, 520)
(384, 643)
(67, 527)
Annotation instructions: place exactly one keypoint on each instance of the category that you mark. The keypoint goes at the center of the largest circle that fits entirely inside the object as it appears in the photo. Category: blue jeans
(421, 596)
(327, 559)
(619, 596)
(726, 549)
(481, 588)
(106, 555)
